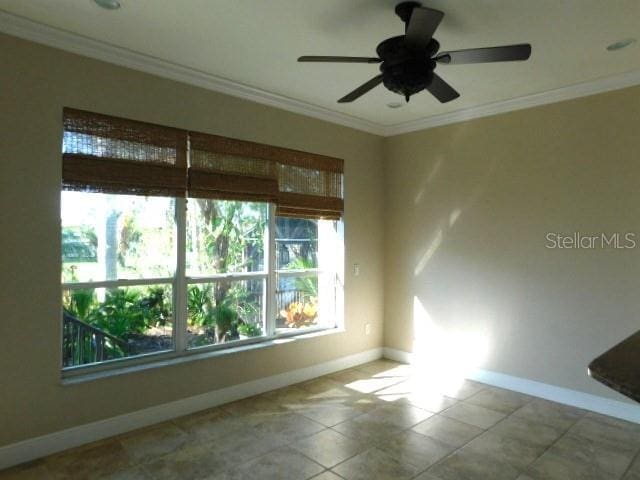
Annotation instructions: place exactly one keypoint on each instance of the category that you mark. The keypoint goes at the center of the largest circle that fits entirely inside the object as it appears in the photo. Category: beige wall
(468, 208)
(35, 83)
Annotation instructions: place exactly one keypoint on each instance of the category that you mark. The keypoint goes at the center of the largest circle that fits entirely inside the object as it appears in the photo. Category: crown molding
(592, 87)
(37, 32)
(71, 42)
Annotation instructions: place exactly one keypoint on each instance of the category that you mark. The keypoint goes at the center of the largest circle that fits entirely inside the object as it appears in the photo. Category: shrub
(250, 329)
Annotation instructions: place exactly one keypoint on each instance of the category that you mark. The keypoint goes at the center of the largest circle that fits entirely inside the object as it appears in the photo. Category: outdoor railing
(83, 343)
(285, 297)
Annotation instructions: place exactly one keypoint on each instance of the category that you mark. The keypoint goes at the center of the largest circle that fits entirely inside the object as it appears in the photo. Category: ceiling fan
(407, 62)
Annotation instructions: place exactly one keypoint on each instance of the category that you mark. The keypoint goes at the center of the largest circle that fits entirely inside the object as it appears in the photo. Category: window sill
(194, 355)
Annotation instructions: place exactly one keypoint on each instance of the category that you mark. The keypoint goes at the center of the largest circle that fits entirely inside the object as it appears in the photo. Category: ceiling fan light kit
(408, 62)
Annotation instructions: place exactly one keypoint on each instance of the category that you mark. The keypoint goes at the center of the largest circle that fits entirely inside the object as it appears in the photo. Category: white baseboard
(586, 401)
(33, 448)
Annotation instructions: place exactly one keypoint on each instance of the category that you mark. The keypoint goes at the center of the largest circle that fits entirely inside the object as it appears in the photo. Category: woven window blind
(114, 155)
(302, 184)
(228, 169)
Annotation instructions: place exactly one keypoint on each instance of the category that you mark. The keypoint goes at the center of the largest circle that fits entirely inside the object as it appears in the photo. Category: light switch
(356, 269)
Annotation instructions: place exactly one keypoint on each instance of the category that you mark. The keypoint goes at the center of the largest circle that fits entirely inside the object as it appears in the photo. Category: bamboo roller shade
(102, 153)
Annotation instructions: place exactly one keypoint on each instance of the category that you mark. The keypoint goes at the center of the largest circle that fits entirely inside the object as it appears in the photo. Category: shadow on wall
(451, 341)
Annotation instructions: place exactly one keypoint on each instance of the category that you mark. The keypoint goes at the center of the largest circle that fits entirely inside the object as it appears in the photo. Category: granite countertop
(619, 367)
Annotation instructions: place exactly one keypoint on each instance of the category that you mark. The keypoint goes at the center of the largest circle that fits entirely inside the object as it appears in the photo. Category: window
(169, 250)
(118, 270)
(227, 275)
(305, 279)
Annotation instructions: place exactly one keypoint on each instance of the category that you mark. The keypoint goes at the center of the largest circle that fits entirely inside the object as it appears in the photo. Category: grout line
(633, 460)
(479, 434)
(365, 446)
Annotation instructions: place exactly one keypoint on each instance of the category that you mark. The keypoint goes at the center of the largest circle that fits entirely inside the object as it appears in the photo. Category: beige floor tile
(327, 476)
(613, 422)
(330, 414)
(381, 422)
(554, 467)
(372, 385)
(248, 444)
(473, 415)
(374, 464)
(613, 460)
(90, 461)
(366, 430)
(447, 430)
(335, 396)
(550, 413)
(431, 403)
(535, 433)
(416, 394)
(284, 463)
(634, 470)
(150, 443)
(30, 471)
(210, 424)
(401, 416)
(465, 465)
(323, 385)
(288, 428)
(255, 404)
(461, 390)
(385, 367)
(499, 400)
(329, 447)
(618, 436)
(235, 474)
(415, 449)
(516, 453)
(192, 462)
(426, 476)
(344, 377)
(287, 395)
(382, 425)
(133, 473)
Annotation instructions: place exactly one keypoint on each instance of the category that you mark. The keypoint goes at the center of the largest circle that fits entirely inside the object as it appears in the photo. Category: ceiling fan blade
(318, 58)
(507, 53)
(362, 89)
(422, 25)
(442, 90)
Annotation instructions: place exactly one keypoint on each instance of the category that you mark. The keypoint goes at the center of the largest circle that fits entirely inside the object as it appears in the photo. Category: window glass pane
(307, 256)
(225, 311)
(106, 324)
(305, 300)
(225, 236)
(296, 243)
(109, 237)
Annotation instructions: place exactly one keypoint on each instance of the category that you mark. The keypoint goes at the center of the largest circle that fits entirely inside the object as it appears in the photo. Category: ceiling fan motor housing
(405, 69)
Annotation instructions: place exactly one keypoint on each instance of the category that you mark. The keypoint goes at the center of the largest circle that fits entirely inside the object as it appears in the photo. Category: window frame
(180, 282)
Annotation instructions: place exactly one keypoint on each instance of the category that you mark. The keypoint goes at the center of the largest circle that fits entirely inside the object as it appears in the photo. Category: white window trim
(179, 284)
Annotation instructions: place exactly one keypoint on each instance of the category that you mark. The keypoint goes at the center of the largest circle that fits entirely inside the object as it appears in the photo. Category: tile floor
(376, 421)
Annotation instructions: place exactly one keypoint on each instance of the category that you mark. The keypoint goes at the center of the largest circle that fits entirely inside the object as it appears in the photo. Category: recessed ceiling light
(394, 104)
(108, 4)
(620, 44)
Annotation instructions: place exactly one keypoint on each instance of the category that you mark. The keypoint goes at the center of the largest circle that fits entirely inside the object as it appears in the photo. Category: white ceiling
(256, 43)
